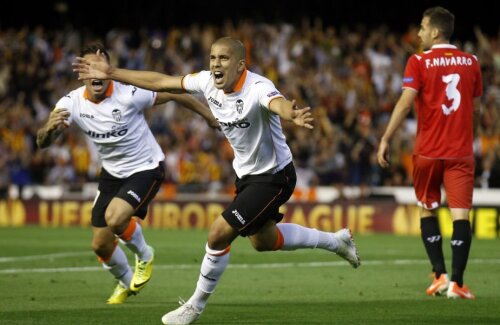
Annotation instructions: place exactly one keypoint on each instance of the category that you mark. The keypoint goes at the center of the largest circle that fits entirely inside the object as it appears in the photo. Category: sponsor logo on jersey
(117, 115)
(134, 195)
(215, 102)
(273, 93)
(114, 133)
(238, 216)
(239, 106)
(408, 79)
(84, 115)
(240, 124)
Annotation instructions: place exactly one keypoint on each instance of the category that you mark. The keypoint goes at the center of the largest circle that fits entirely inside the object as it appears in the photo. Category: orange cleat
(454, 291)
(438, 286)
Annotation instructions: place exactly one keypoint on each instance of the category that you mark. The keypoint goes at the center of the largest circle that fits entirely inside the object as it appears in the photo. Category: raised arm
(99, 68)
(289, 111)
(190, 103)
(401, 110)
(53, 128)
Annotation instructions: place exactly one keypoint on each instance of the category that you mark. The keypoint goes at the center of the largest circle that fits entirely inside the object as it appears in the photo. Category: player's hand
(92, 67)
(58, 118)
(302, 116)
(383, 154)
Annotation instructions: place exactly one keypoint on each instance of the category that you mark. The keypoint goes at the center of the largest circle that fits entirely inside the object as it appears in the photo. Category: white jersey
(251, 128)
(117, 127)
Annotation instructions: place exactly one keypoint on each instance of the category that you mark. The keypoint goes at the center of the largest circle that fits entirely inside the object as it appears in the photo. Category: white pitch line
(42, 257)
(246, 266)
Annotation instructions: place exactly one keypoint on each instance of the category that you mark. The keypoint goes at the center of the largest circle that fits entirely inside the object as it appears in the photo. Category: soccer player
(248, 108)
(112, 116)
(445, 84)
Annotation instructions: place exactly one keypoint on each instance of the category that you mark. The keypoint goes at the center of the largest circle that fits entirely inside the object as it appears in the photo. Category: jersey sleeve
(67, 103)
(411, 76)
(143, 98)
(197, 82)
(267, 92)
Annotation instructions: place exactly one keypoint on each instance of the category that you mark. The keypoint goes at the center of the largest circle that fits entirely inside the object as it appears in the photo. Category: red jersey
(447, 80)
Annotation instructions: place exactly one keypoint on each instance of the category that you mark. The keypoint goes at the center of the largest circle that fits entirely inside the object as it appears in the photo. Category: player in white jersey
(112, 116)
(248, 108)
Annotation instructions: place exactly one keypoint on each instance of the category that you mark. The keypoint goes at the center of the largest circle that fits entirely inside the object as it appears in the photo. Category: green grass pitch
(50, 276)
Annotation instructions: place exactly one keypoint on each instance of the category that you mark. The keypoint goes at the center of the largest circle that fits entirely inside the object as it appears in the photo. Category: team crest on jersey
(117, 115)
(239, 106)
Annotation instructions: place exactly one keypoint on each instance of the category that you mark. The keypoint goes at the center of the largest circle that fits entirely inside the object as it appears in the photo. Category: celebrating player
(248, 108)
(112, 116)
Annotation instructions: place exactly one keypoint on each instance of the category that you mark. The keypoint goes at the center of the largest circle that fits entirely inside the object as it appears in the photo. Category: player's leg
(459, 184)
(113, 259)
(427, 179)
(289, 236)
(104, 242)
(133, 198)
(214, 264)
(119, 219)
(259, 220)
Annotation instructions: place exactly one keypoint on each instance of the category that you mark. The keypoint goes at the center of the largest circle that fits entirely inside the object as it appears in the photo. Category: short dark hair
(237, 46)
(93, 48)
(442, 19)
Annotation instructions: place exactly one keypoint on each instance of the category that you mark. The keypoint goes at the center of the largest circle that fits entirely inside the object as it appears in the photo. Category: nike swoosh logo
(206, 277)
(138, 285)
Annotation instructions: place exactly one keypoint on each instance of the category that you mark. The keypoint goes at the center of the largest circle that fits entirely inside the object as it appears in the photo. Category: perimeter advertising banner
(362, 216)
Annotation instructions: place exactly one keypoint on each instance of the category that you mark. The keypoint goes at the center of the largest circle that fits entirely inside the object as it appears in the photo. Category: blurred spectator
(353, 78)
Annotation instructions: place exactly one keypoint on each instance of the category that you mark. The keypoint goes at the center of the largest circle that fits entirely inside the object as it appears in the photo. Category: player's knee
(116, 221)
(217, 239)
(217, 242)
(102, 249)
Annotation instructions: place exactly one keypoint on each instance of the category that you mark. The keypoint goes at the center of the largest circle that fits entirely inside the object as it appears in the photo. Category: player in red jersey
(445, 84)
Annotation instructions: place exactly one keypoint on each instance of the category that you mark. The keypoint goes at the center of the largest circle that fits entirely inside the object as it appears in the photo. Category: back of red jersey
(447, 80)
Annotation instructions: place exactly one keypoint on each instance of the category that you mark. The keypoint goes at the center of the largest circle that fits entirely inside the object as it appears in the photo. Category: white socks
(213, 265)
(295, 236)
(133, 238)
(118, 266)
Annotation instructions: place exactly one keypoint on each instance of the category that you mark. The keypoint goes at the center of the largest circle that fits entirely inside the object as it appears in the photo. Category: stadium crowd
(351, 77)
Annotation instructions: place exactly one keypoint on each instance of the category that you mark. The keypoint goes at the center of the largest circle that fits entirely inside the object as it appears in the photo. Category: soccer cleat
(184, 315)
(438, 286)
(454, 291)
(142, 272)
(120, 294)
(346, 247)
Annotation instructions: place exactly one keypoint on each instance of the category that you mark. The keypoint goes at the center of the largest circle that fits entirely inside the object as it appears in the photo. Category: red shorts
(456, 175)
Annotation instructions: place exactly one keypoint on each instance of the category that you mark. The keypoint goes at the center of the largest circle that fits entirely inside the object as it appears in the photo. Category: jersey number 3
(452, 93)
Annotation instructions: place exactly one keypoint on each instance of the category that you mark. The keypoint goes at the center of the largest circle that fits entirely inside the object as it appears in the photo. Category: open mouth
(97, 84)
(218, 76)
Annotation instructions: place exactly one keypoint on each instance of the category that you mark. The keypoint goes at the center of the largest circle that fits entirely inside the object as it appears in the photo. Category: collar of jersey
(109, 91)
(240, 83)
(443, 46)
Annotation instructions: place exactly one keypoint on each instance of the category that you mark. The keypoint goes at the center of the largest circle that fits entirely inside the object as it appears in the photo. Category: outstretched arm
(99, 68)
(288, 110)
(53, 128)
(190, 103)
(400, 112)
